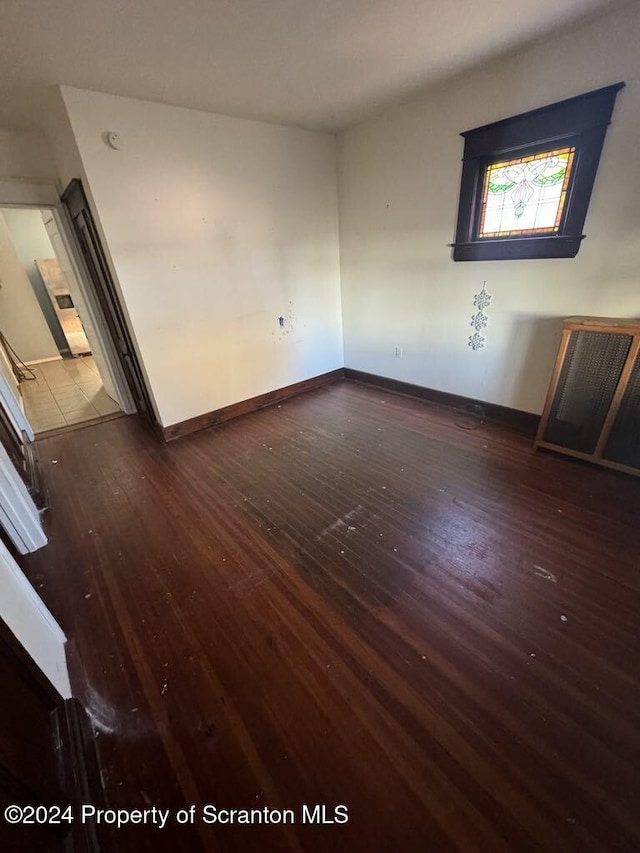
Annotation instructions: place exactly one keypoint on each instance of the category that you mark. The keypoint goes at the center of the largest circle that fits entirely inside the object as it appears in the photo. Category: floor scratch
(545, 574)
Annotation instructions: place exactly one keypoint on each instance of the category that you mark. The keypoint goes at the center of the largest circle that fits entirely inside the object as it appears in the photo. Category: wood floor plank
(349, 599)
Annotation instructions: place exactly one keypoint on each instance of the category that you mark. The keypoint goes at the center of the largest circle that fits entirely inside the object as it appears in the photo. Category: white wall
(25, 155)
(31, 622)
(216, 227)
(21, 319)
(399, 178)
(31, 242)
(30, 238)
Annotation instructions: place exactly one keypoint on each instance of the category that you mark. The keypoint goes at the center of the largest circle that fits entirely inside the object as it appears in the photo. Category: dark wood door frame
(86, 234)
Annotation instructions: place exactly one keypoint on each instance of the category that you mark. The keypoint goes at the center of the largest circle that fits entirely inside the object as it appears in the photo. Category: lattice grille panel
(588, 381)
(624, 439)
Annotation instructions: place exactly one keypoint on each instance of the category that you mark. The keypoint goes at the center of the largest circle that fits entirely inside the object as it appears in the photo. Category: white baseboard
(43, 360)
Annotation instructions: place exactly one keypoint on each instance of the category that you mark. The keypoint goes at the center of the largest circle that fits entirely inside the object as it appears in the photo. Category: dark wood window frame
(581, 122)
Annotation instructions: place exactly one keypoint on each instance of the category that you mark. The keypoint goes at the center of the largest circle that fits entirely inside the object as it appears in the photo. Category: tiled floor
(65, 392)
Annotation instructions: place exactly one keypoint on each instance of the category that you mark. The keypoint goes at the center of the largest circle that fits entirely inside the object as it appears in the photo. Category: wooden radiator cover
(592, 410)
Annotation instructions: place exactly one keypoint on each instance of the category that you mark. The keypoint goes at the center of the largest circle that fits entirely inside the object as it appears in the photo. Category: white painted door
(78, 300)
(11, 399)
(31, 622)
(18, 514)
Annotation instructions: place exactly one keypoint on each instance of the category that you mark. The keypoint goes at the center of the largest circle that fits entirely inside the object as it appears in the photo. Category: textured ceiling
(320, 64)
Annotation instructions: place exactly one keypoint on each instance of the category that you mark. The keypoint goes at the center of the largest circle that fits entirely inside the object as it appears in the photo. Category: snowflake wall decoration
(480, 320)
(483, 299)
(476, 341)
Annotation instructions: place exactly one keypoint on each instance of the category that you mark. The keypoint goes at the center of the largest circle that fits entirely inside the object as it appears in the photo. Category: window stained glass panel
(526, 195)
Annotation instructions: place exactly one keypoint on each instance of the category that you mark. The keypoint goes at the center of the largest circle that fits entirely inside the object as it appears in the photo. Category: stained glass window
(522, 196)
(526, 195)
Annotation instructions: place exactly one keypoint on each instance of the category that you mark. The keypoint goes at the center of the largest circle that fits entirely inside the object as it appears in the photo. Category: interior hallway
(65, 392)
(346, 599)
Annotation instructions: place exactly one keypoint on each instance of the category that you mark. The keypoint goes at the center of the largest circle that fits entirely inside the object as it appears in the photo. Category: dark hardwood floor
(348, 599)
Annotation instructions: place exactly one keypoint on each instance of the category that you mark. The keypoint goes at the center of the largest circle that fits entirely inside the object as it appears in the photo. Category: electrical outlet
(398, 352)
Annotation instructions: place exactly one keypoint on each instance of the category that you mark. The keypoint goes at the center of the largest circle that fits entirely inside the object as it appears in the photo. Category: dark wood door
(92, 251)
(33, 740)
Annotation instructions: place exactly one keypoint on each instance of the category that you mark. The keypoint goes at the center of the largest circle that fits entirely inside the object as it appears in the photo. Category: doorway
(49, 349)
